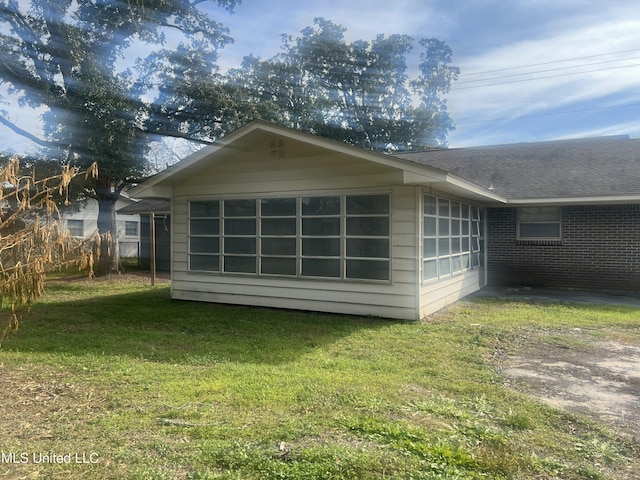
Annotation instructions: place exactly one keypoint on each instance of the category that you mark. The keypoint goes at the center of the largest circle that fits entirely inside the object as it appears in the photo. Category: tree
(69, 59)
(32, 241)
(359, 92)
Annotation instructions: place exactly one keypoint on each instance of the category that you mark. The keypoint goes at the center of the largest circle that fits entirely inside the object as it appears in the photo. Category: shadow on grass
(150, 326)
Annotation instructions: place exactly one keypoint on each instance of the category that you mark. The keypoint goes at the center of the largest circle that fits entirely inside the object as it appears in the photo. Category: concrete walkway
(562, 296)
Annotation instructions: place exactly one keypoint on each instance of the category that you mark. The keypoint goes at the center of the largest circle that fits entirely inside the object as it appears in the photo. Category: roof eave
(581, 200)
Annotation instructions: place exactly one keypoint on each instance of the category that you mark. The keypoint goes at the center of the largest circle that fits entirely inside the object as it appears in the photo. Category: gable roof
(592, 170)
(257, 132)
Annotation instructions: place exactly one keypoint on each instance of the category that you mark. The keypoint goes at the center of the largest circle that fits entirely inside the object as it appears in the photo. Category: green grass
(165, 389)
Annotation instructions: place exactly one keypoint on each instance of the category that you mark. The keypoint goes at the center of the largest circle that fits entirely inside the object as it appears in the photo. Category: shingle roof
(589, 167)
(148, 205)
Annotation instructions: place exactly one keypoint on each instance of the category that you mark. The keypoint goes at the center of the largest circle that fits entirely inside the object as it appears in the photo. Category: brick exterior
(600, 249)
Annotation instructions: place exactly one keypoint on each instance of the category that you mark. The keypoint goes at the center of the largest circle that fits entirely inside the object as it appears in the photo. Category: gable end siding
(600, 249)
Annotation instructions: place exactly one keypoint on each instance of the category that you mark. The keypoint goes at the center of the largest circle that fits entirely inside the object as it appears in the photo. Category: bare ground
(578, 372)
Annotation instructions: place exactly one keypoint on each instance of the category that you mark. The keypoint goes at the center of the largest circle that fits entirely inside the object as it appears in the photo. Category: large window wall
(335, 236)
(453, 239)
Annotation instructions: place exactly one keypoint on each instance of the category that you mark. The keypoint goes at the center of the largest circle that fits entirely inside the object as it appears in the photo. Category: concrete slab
(561, 295)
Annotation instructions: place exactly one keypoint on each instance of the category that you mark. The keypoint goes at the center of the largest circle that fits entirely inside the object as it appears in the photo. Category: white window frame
(452, 238)
(539, 216)
(131, 223)
(347, 263)
(78, 227)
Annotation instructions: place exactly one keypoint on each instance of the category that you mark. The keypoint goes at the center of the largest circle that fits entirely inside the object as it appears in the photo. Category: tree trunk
(108, 231)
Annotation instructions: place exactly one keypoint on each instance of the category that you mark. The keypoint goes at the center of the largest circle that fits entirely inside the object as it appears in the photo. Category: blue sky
(556, 68)
(590, 89)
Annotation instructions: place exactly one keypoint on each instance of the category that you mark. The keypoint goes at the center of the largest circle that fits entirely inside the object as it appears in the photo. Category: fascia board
(560, 201)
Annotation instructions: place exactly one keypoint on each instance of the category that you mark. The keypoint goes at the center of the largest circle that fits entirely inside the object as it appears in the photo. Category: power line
(549, 63)
(548, 114)
(544, 78)
(548, 70)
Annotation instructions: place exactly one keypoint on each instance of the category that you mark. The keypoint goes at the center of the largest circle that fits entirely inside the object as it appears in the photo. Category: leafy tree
(71, 60)
(359, 93)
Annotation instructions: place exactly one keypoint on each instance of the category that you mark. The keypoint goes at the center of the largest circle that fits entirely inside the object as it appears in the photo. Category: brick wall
(600, 249)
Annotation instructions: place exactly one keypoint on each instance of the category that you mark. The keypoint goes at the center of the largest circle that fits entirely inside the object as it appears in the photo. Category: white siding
(255, 175)
(436, 295)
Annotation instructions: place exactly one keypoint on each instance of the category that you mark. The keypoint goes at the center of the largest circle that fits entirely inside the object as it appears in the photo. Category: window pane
(455, 227)
(240, 264)
(443, 207)
(320, 268)
(278, 266)
(445, 266)
(240, 245)
(204, 245)
(368, 247)
(368, 226)
(465, 261)
(455, 210)
(205, 263)
(205, 209)
(204, 227)
(430, 269)
(321, 247)
(367, 204)
(430, 226)
(131, 229)
(465, 211)
(240, 208)
(321, 226)
(540, 230)
(539, 214)
(321, 206)
(279, 246)
(465, 244)
(429, 205)
(240, 227)
(430, 249)
(443, 224)
(278, 207)
(455, 264)
(455, 245)
(278, 226)
(465, 227)
(443, 246)
(368, 269)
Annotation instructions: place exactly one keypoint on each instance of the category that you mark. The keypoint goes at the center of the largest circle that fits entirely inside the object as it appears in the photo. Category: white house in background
(84, 223)
(279, 218)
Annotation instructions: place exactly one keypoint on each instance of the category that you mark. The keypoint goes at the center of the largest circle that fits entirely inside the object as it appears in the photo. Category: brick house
(572, 212)
(274, 217)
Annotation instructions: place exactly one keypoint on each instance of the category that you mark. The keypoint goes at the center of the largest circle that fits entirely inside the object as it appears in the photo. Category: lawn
(113, 379)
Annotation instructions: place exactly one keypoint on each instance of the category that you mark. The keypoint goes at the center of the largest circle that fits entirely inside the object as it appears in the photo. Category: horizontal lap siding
(437, 295)
(254, 179)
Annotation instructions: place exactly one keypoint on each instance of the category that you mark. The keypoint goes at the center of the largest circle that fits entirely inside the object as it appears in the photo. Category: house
(82, 224)
(572, 217)
(274, 217)
(157, 238)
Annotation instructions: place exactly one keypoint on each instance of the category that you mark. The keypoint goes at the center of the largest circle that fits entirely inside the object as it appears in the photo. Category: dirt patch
(575, 371)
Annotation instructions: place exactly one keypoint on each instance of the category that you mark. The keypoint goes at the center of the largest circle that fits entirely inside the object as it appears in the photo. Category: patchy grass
(155, 388)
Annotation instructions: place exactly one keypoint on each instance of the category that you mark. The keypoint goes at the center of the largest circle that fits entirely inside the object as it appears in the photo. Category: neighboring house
(159, 238)
(84, 223)
(274, 217)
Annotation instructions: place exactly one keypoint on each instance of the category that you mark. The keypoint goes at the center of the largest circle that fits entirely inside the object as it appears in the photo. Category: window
(539, 223)
(131, 228)
(340, 237)
(76, 227)
(452, 237)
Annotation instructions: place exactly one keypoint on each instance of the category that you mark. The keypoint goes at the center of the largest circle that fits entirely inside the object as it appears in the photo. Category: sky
(531, 70)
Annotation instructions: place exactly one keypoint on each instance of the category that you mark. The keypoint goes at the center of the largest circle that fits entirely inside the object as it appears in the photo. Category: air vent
(276, 146)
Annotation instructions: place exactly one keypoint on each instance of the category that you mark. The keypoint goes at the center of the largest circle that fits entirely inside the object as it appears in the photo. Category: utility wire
(543, 78)
(549, 63)
(548, 70)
